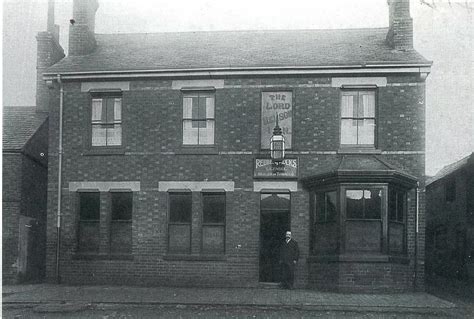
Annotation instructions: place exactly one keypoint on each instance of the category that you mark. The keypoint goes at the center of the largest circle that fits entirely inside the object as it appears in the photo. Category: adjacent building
(24, 184)
(160, 170)
(450, 222)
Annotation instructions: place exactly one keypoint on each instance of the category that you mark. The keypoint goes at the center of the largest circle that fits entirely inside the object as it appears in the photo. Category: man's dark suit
(289, 254)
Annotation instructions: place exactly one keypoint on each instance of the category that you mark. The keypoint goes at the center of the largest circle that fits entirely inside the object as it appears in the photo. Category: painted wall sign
(265, 168)
(273, 103)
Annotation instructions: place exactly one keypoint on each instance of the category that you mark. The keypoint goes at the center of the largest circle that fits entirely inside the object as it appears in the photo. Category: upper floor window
(106, 120)
(358, 118)
(198, 118)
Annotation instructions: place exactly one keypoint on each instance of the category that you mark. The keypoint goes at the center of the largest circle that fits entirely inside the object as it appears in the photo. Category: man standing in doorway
(288, 257)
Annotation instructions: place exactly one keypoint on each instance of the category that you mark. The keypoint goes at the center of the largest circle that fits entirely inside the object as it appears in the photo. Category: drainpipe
(60, 162)
(417, 199)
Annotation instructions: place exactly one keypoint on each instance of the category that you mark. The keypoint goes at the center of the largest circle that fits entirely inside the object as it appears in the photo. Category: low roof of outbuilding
(20, 123)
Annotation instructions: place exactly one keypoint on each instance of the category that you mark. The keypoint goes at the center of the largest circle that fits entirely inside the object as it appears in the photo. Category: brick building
(450, 222)
(164, 167)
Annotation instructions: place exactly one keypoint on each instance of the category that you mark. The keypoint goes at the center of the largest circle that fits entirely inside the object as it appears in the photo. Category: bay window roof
(361, 169)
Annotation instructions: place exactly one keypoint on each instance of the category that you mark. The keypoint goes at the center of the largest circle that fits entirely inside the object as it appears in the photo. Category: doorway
(274, 222)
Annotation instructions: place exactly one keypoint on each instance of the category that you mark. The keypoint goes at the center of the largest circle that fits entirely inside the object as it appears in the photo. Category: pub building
(182, 158)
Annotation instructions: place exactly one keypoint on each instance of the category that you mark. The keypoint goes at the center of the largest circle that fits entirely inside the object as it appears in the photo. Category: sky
(444, 35)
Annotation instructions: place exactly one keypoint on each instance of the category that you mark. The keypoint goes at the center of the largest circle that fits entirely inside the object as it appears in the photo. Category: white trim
(196, 186)
(121, 85)
(221, 72)
(179, 84)
(378, 81)
(104, 186)
(259, 185)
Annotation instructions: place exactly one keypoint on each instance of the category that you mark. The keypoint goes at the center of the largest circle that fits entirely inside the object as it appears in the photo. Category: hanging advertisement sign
(277, 103)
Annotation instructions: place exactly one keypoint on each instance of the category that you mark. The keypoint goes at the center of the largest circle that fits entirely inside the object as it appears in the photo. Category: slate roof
(238, 49)
(451, 168)
(19, 125)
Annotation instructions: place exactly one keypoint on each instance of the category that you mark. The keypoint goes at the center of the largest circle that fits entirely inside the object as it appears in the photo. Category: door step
(269, 285)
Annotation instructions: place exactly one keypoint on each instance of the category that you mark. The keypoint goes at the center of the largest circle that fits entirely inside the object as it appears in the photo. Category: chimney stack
(81, 31)
(49, 51)
(400, 32)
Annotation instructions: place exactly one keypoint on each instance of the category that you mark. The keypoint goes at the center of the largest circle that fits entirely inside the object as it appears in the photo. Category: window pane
(195, 108)
(202, 108)
(187, 108)
(347, 109)
(89, 206)
(121, 237)
(206, 134)
(210, 107)
(367, 107)
(89, 236)
(118, 109)
(122, 206)
(180, 208)
(98, 135)
(392, 205)
(275, 201)
(400, 206)
(373, 203)
(110, 110)
(331, 200)
(190, 134)
(179, 238)
(320, 207)
(366, 131)
(96, 109)
(213, 239)
(114, 135)
(214, 208)
(354, 203)
(348, 132)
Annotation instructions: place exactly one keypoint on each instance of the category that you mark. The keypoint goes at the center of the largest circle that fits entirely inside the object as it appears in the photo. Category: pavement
(64, 297)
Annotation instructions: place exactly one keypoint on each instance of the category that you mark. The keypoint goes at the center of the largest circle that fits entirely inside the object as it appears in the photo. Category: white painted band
(196, 186)
(104, 186)
(288, 185)
(378, 81)
(110, 85)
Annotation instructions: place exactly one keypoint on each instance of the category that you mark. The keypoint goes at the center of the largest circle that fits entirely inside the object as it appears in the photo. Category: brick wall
(10, 214)
(152, 117)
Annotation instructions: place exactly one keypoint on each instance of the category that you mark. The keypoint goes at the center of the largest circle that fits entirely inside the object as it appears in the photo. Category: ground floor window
(210, 208)
(179, 227)
(89, 222)
(358, 218)
(213, 223)
(105, 222)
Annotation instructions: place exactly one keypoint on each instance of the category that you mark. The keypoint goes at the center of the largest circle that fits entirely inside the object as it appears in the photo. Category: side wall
(10, 214)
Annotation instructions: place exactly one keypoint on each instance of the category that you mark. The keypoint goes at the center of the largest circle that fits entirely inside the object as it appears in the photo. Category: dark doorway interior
(273, 226)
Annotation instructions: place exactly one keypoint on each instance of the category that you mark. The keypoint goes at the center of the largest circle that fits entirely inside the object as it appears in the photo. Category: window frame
(170, 223)
(207, 93)
(120, 221)
(220, 224)
(104, 149)
(79, 247)
(343, 91)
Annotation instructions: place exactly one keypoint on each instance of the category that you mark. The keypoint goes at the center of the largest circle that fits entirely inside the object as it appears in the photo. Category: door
(274, 222)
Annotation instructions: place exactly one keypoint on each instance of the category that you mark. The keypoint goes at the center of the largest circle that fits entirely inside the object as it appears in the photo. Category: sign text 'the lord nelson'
(278, 103)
